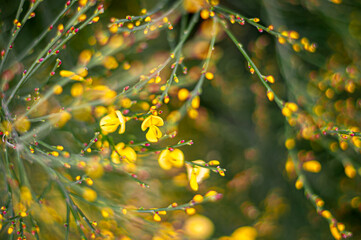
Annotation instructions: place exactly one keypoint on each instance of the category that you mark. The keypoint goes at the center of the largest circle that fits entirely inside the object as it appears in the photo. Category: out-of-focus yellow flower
(60, 119)
(153, 122)
(168, 159)
(110, 122)
(350, 171)
(196, 174)
(195, 102)
(107, 212)
(335, 233)
(89, 195)
(82, 2)
(101, 92)
(22, 125)
(193, 6)
(6, 127)
(10, 230)
(157, 218)
(25, 196)
(312, 166)
(126, 153)
(116, 41)
(57, 89)
(94, 169)
(71, 75)
(77, 90)
(82, 114)
(245, 233)
(183, 94)
(84, 57)
(110, 63)
(198, 227)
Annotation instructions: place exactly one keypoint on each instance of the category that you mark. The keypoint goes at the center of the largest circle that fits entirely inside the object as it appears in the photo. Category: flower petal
(177, 158)
(163, 160)
(109, 123)
(193, 181)
(129, 154)
(121, 121)
(152, 121)
(153, 134)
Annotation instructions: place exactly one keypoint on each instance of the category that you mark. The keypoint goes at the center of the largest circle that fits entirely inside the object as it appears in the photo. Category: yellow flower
(245, 233)
(110, 122)
(199, 227)
(100, 92)
(60, 119)
(312, 166)
(71, 75)
(153, 122)
(168, 159)
(350, 171)
(335, 233)
(25, 196)
(153, 134)
(22, 124)
(157, 218)
(193, 6)
(110, 63)
(89, 194)
(196, 174)
(126, 153)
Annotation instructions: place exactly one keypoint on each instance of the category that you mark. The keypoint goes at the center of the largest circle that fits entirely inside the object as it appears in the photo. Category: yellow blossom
(312, 166)
(299, 184)
(270, 95)
(190, 211)
(157, 218)
(209, 75)
(290, 143)
(196, 174)
(77, 90)
(89, 195)
(57, 89)
(84, 57)
(22, 125)
(110, 122)
(183, 94)
(350, 171)
(152, 122)
(195, 102)
(198, 227)
(193, 6)
(126, 153)
(110, 63)
(60, 119)
(101, 92)
(153, 134)
(335, 233)
(168, 159)
(71, 75)
(245, 233)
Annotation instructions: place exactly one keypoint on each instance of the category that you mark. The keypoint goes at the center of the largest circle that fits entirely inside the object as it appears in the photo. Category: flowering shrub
(97, 106)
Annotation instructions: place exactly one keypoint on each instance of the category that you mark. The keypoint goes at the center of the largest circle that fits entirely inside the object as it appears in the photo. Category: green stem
(278, 101)
(13, 36)
(36, 64)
